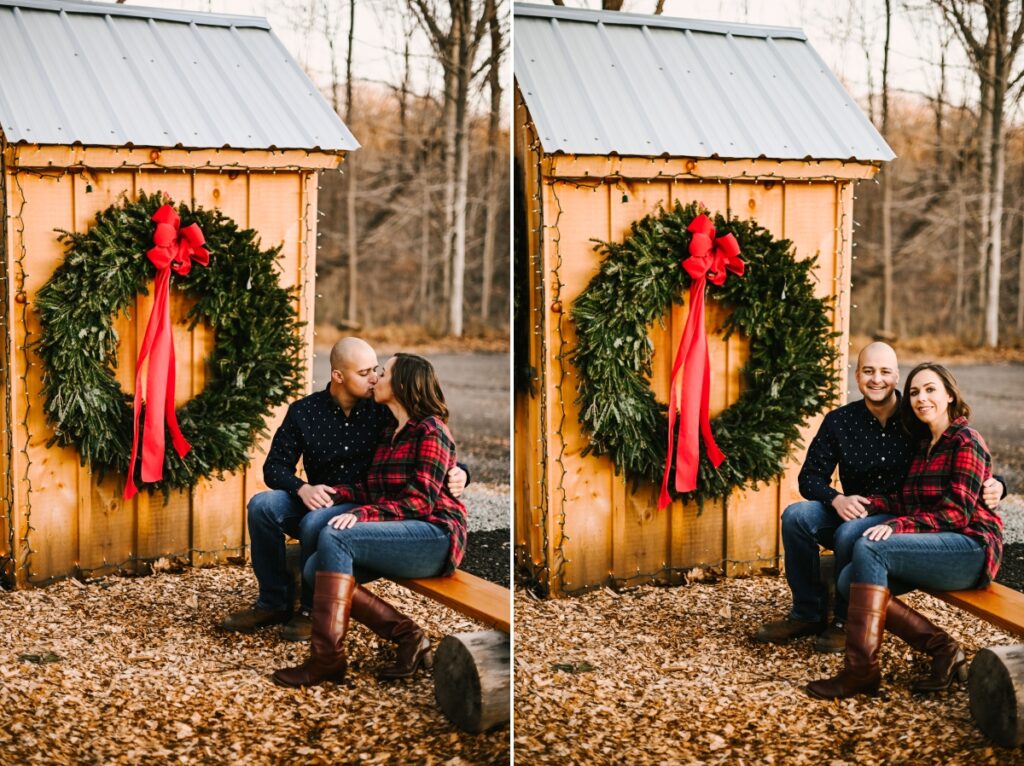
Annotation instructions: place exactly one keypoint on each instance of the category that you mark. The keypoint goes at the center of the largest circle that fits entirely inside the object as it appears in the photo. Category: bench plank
(471, 595)
(997, 604)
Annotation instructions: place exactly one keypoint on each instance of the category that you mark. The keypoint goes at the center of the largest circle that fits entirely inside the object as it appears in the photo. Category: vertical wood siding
(70, 519)
(601, 530)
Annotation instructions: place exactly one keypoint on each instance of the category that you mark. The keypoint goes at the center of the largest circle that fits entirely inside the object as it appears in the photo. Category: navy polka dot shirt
(873, 459)
(335, 448)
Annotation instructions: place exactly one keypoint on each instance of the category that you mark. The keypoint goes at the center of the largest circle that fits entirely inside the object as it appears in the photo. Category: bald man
(334, 431)
(873, 453)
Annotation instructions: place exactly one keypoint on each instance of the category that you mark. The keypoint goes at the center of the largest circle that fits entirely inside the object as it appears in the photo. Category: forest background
(940, 237)
(414, 230)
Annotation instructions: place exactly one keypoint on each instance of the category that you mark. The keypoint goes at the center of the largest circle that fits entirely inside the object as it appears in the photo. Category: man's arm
(992, 492)
(283, 457)
(815, 478)
(457, 480)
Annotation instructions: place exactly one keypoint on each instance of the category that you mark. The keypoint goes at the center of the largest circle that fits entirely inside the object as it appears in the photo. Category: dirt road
(476, 388)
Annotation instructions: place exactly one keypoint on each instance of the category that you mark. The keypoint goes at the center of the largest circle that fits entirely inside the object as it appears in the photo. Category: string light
(9, 569)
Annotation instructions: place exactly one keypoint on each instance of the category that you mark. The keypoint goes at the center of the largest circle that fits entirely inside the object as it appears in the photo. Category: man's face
(877, 375)
(358, 374)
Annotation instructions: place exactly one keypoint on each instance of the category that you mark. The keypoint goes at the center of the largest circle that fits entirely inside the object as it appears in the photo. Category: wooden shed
(102, 100)
(616, 114)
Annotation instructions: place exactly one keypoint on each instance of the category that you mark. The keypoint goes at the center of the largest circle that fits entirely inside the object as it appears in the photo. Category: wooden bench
(996, 679)
(471, 670)
(996, 604)
(473, 596)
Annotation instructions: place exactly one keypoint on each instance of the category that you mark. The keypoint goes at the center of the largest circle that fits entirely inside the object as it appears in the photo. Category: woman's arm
(435, 453)
(960, 495)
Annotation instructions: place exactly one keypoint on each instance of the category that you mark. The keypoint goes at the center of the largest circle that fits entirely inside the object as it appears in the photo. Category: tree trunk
(961, 251)
(427, 310)
(350, 202)
(450, 124)
(886, 181)
(1020, 282)
(985, 180)
(461, 21)
(495, 199)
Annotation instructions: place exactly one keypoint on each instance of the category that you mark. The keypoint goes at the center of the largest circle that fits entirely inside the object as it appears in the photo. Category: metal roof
(109, 75)
(599, 82)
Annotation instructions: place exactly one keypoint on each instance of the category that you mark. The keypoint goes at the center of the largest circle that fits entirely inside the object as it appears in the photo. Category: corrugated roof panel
(604, 82)
(110, 75)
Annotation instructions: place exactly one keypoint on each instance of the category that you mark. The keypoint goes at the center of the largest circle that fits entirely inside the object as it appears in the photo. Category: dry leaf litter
(671, 676)
(133, 670)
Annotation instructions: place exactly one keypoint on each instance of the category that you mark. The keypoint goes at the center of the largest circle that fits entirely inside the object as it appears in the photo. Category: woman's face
(382, 390)
(929, 398)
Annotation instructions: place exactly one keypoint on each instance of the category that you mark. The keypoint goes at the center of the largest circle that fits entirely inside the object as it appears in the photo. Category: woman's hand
(343, 521)
(878, 532)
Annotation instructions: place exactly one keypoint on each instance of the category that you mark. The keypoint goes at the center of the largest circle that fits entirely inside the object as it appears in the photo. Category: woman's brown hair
(415, 386)
(957, 408)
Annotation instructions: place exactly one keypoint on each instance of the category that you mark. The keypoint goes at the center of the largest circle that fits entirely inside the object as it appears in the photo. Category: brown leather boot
(948, 660)
(865, 625)
(390, 624)
(332, 601)
(249, 620)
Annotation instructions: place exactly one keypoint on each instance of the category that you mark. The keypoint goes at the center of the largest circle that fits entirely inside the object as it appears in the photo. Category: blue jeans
(272, 515)
(805, 526)
(935, 560)
(373, 549)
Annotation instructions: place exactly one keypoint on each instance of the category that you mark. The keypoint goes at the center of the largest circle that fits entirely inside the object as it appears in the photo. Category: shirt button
(883, 459)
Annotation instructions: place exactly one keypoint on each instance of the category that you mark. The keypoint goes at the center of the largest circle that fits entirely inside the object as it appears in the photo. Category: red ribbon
(175, 248)
(710, 259)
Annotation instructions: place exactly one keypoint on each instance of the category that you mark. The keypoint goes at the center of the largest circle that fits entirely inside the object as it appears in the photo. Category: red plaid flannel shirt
(406, 481)
(942, 493)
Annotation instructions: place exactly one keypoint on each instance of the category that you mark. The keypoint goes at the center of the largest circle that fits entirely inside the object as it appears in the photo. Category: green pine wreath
(791, 373)
(256, 362)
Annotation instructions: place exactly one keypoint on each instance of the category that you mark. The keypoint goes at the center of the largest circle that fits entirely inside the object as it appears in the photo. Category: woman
(400, 523)
(935, 533)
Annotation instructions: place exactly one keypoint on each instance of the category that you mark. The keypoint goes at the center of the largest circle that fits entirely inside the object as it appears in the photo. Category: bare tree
(350, 207)
(992, 32)
(456, 41)
(886, 182)
(495, 198)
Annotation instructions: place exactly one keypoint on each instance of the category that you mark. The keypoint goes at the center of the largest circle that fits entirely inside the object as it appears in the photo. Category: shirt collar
(359, 406)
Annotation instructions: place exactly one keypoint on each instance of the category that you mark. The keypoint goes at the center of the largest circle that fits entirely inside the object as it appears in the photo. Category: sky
(838, 30)
(381, 29)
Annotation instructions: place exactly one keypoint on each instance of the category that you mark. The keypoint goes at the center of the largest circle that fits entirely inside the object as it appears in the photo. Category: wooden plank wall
(533, 526)
(76, 521)
(6, 305)
(601, 530)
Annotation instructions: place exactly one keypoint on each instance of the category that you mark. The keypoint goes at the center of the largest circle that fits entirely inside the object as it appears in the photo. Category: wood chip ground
(134, 671)
(671, 676)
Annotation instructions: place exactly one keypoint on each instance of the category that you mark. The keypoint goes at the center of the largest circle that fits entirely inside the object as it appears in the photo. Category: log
(471, 679)
(996, 688)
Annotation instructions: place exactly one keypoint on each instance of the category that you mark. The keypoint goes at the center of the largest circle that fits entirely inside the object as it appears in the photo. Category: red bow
(710, 258)
(175, 248)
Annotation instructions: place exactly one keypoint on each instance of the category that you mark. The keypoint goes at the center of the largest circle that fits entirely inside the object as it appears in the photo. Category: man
(334, 432)
(873, 452)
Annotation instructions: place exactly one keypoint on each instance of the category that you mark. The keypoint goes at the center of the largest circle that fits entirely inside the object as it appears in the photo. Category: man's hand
(850, 507)
(878, 532)
(343, 521)
(991, 493)
(456, 481)
(315, 496)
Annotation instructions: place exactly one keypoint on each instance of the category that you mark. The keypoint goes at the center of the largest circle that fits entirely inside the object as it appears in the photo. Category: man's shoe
(248, 620)
(299, 627)
(781, 631)
(832, 640)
